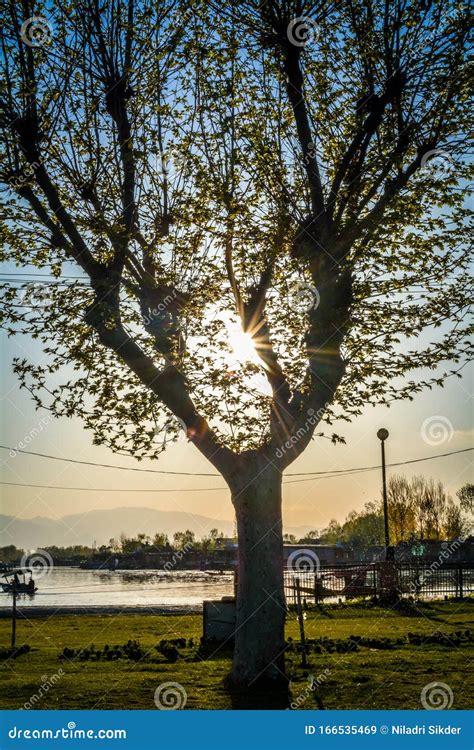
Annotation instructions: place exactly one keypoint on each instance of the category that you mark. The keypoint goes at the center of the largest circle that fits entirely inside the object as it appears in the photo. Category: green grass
(368, 678)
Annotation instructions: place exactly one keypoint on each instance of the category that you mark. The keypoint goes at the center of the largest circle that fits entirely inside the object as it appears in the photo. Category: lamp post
(382, 435)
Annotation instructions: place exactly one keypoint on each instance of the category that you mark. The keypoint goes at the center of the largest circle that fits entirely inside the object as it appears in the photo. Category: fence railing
(350, 581)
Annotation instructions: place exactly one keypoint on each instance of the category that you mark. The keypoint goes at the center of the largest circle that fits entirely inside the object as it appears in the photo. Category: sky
(435, 422)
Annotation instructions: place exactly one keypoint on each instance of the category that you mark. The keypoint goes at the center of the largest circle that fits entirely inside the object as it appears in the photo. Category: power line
(202, 474)
(43, 275)
(16, 284)
(172, 489)
(107, 466)
(109, 489)
(379, 466)
(318, 475)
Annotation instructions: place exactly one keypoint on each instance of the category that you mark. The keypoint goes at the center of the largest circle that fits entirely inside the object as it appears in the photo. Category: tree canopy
(291, 173)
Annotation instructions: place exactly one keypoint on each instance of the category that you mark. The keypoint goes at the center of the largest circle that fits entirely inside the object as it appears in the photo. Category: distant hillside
(101, 525)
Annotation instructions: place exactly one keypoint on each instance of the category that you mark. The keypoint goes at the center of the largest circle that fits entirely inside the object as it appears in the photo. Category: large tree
(290, 167)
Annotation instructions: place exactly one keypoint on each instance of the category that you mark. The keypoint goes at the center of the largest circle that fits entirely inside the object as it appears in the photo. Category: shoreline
(28, 613)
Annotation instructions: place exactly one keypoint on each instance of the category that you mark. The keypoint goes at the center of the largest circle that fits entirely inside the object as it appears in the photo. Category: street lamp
(382, 435)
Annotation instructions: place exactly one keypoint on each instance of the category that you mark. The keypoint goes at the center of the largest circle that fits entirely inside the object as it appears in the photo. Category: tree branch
(168, 384)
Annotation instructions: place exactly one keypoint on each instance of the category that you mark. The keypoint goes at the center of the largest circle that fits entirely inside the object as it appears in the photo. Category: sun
(242, 346)
(242, 352)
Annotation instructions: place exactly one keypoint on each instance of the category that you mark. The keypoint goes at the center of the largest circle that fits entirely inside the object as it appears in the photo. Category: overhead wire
(307, 476)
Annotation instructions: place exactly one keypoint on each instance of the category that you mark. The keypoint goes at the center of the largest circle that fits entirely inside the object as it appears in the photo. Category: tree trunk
(259, 638)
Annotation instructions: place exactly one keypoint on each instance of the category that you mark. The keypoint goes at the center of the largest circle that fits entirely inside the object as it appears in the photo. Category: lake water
(169, 590)
(66, 587)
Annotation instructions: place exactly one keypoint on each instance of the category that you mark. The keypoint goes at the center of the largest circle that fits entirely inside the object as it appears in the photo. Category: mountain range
(99, 526)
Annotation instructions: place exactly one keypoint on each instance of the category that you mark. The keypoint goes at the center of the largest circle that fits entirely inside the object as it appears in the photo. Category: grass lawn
(370, 677)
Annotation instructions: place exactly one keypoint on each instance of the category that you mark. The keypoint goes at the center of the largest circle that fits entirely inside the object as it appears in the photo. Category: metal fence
(417, 579)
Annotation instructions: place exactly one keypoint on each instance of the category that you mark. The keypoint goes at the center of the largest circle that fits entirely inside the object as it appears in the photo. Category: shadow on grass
(214, 651)
(264, 694)
(407, 608)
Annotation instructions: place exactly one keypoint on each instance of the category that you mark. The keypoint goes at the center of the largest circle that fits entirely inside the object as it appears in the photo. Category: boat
(16, 582)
